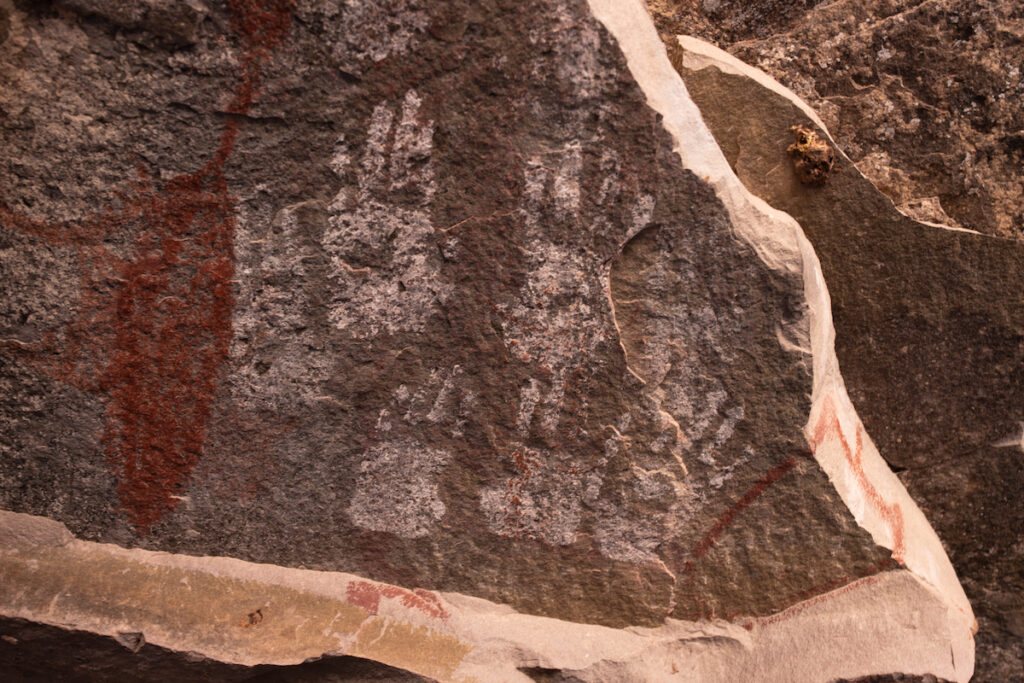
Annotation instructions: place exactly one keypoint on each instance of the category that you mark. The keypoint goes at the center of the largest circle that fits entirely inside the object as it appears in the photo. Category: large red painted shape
(168, 317)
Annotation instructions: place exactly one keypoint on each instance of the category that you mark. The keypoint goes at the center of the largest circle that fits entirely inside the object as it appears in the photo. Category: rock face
(458, 304)
(923, 95)
(930, 336)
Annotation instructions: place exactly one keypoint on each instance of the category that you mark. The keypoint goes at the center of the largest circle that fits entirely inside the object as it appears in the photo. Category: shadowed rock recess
(429, 340)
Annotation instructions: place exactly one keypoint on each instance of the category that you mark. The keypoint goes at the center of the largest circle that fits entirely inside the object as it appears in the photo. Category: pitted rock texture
(930, 338)
(923, 95)
(429, 300)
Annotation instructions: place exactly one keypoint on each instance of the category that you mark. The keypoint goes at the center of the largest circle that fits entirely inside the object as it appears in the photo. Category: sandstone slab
(160, 616)
(922, 95)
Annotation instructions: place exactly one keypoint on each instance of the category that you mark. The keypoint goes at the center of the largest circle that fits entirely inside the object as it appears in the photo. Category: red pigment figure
(368, 595)
(163, 327)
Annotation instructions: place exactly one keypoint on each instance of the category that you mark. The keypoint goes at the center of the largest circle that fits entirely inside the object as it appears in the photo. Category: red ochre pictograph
(161, 321)
(826, 428)
(727, 519)
(891, 513)
(368, 595)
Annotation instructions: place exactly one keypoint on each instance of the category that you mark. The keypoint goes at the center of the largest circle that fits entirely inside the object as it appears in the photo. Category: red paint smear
(367, 595)
(726, 520)
(168, 319)
(891, 514)
(263, 23)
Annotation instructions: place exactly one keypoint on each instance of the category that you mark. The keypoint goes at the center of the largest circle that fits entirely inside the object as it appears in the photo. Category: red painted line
(367, 595)
(826, 427)
(891, 513)
(727, 520)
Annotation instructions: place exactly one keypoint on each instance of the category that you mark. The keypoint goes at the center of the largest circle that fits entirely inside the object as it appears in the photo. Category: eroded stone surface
(431, 300)
(159, 615)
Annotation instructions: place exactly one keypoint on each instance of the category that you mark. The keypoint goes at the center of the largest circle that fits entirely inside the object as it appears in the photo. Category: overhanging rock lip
(870, 490)
(848, 455)
(99, 588)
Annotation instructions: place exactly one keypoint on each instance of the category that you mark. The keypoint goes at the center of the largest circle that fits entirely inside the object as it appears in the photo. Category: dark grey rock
(415, 291)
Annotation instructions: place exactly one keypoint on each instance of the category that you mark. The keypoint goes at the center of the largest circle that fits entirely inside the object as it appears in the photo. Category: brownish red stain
(525, 466)
(368, 596)
(165, 312)
(891, 513)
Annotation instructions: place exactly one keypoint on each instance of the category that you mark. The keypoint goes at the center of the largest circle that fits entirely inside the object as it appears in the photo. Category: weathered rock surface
(458, 304)
(929, 334)
(923, 95)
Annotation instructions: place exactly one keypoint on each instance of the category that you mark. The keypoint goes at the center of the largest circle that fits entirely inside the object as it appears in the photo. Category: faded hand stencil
(552, 326)
(671, 341)
(384, 259)
(271, 318)
(442, 400)
(397, 489)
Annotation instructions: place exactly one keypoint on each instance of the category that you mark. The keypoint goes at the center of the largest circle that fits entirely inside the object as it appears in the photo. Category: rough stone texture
(894, 678)
(923, 95)
(930, 338)
(415, 291)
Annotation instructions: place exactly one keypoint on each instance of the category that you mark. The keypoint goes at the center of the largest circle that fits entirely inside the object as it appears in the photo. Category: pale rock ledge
(243, 613)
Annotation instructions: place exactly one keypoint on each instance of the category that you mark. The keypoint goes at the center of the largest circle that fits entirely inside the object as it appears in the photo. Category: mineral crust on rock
(436, 334)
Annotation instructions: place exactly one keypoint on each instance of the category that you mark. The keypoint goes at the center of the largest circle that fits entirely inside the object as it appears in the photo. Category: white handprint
(384, 263)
